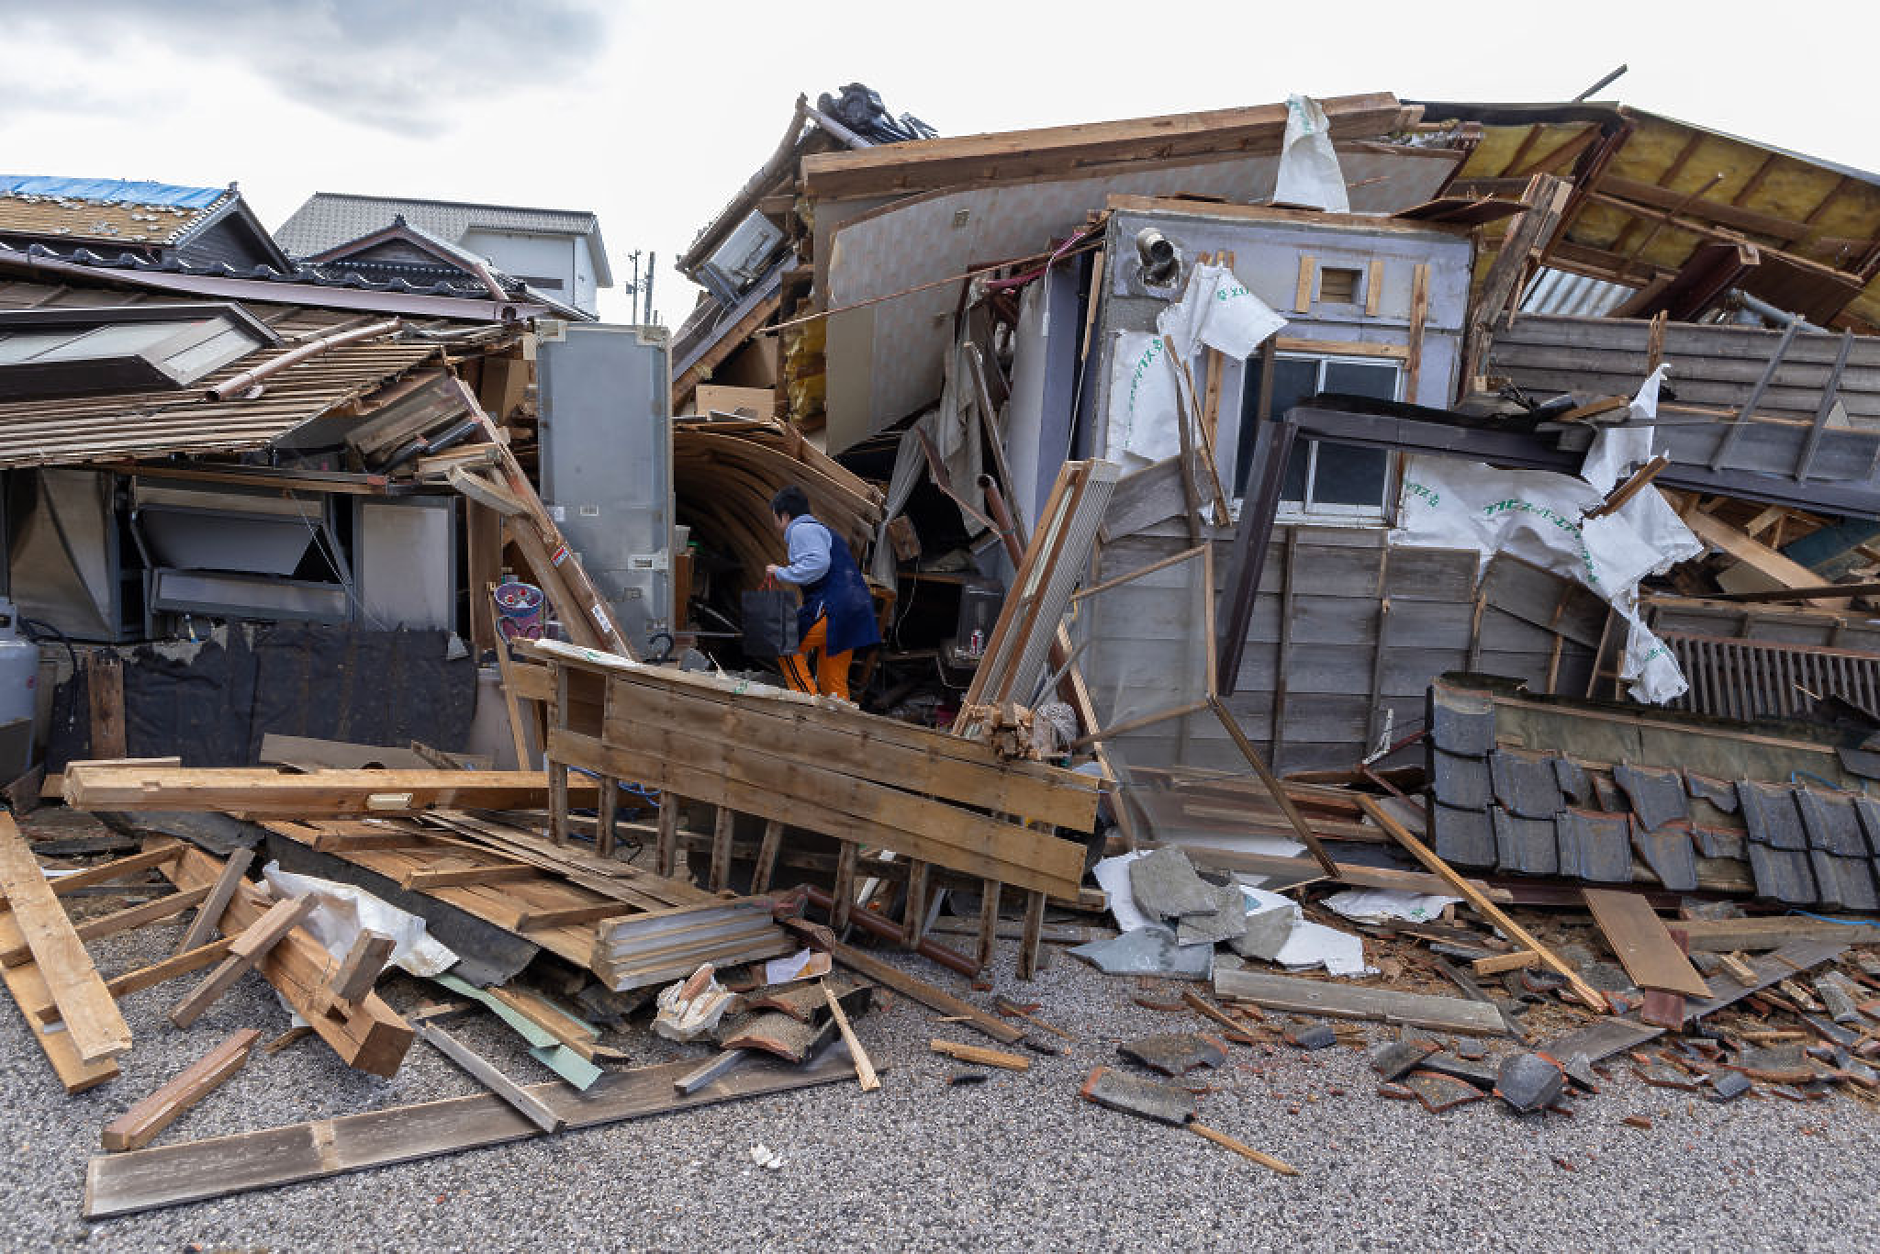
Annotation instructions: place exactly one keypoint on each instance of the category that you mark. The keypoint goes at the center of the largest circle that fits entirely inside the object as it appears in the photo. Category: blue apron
(843, 595)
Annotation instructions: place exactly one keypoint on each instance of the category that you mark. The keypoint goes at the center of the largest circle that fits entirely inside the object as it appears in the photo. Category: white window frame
(1293, 511)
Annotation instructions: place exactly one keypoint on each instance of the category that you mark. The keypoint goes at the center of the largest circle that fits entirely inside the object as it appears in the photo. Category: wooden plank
(104, 689)
(666, 847)
(139, 1126)
(456, 877)
(1519, 960)
(1642, 944)
(256, 791)
(1486, 908)
(1419, 315)
(767, 851)
(246, 948)
(203, 927)
(362, 966)
(719, 875)
(569, 916)
(29, 988)
(122, 1184)
(96, 1028)
(980, 1056)
(527, 1104)
(1302, 290)
(1031, 937)
(1374, 288)
(1351, 1001)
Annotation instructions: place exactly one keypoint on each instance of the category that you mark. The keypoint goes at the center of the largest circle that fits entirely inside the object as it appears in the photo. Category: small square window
(1338, 286)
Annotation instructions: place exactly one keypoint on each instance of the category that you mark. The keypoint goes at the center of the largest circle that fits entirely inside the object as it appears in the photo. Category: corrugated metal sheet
(1558, 292)
(151, 424)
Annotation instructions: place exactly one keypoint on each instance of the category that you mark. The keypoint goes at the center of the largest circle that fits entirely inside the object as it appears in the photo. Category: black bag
(770, 623)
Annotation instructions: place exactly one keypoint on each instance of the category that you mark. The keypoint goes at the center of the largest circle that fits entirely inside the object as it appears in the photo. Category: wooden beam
(453, 877)
(203, 927)
(317, 794)
(104, 690)
(368, 1035)
(908, 986)
(122, 1184)
(139, 1125)
(525, 1103)
(1483, 906)
(1298, 995)
(1783, 571)
(248, 947)
(362, 966)
(96, 1028)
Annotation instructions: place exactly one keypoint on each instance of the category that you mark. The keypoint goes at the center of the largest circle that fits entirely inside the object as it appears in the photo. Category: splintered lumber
(1519, 960)
(1642, 943)
(1725, 935)
(526, 1103)
(128, 919)
(660, 946)
(366, 1034)
(146, 977)
(864, 1066)
(980, 1056)
(908, 986)
(104, 873)
(29, 988)
(1350, 1001)
(202, 927)
(122, 1184)
(139, 1125)
(317, 794)
(1483, 906)
(92, 1021)
(1243, 1149)
(248, 947)
(362, 965)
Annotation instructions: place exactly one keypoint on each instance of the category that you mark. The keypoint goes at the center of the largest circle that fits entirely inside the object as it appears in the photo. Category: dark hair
(792, 502)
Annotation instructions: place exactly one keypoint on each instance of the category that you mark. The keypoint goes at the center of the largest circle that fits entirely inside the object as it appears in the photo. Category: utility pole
(652, 264)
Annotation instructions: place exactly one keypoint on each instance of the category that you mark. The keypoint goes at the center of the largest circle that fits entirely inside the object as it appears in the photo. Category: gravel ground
(1016, 1163)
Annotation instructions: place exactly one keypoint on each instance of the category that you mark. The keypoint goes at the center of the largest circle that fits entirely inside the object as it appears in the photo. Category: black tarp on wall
(212, 703)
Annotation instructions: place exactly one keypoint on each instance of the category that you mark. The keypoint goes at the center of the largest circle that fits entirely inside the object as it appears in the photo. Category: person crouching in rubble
(837, 616)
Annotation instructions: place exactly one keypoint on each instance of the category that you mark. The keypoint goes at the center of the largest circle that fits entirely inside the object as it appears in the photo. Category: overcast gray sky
(652, 115)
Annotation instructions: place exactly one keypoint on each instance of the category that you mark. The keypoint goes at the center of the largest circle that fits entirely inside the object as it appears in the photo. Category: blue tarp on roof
(111, 191)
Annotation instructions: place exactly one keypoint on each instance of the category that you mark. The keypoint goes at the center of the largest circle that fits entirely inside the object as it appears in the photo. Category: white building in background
(555, 252)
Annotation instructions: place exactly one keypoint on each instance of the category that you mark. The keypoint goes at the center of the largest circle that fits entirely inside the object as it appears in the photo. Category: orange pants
(832, 669)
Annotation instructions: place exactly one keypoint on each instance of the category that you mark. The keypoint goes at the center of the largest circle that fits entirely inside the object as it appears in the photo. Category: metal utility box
(606, 462)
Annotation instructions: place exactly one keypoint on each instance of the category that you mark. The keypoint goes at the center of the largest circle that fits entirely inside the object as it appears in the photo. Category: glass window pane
(1360, 378)
(1348, 475)
(1293, 488)
(1293, 381)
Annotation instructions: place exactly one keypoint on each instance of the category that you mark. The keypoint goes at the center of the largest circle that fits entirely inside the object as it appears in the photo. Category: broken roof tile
(1525, 846)
(1843, 883)
(1719, 842)
(1573, 780)
(1770, 813)
(1594, 846)
(1461, 721)
(1657, 796)
(1460, 782)
(1670, 855)
(1463, 837)
(1781, 874)
(1830, 822)
(1526, 786)
(1718, 792)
